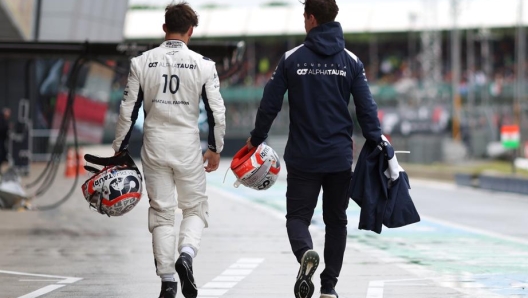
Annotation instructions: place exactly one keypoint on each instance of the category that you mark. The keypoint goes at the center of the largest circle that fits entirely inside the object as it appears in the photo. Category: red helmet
(114, 190)
(257, 168)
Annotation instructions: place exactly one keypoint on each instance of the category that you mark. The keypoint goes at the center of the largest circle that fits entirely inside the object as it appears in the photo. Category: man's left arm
(214, 106)
(366, 107)
(271, 104)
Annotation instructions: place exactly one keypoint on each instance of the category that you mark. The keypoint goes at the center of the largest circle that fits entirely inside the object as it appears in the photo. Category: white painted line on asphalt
(60, 280)
(243, 266)
(249, 261)
(375, 289)
(31, 274)
(410, 285)
(42, 291)
(415, 269)
(519, 285)
(237, 272)
(475, 230)
(70, 280)
(220, 285)
(48, 280)
(212, 292)
(229, 278)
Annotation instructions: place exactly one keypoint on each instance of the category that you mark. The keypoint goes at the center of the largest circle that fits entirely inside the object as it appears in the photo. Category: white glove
(394, 169)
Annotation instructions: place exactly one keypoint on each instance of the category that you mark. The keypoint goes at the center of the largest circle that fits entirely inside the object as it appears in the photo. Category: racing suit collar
(174, 44)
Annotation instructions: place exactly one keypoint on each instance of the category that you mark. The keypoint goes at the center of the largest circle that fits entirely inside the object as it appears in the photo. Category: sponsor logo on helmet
(264, 184)
(113, 174)
(264, 152)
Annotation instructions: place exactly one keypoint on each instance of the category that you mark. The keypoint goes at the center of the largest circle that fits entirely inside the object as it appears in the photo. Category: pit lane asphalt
(74, 252)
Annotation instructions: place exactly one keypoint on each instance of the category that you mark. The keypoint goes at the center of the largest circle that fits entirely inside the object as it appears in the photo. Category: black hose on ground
(50, 172)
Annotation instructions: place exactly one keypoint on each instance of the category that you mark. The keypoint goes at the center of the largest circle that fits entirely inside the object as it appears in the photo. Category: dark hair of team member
(324, 11)
(180, 17)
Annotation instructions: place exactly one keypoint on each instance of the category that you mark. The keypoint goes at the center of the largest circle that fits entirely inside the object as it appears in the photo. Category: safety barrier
(494, 182)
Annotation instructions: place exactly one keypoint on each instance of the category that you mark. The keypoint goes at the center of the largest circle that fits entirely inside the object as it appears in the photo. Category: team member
(169, 81)
(319, 76)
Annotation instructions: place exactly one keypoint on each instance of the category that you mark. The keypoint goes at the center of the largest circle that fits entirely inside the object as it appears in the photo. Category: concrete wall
(16, 19)
(81, 20)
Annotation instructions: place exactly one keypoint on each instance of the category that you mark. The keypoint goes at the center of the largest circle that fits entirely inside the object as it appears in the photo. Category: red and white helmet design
(113, 191)
(257, 168)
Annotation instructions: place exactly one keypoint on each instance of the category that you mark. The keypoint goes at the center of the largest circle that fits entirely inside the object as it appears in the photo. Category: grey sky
(198, 3)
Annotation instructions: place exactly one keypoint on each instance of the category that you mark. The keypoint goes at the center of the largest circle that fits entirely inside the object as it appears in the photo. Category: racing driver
(169, 81)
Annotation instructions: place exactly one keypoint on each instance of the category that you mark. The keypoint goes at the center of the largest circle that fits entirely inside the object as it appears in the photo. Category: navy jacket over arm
(319, 76)
(381, 203)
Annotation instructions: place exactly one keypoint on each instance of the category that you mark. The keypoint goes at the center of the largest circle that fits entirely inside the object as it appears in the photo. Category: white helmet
(116, 189)
(257, 168)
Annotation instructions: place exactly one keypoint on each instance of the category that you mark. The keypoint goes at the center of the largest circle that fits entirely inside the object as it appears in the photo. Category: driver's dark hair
(180, 17)
(324, 11)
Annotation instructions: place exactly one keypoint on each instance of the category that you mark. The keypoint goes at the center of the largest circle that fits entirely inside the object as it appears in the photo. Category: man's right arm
(271, 104)
(128, 112)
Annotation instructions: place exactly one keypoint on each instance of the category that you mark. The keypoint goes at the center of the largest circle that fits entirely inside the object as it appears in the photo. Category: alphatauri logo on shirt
(321, 69)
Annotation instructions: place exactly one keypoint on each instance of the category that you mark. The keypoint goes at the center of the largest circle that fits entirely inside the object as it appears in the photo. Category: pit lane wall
(494, 182)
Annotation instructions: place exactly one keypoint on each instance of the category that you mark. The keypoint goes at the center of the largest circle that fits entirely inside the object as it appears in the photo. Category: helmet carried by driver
(115, 189)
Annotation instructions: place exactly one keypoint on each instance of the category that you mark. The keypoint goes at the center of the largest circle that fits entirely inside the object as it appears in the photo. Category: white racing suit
(169, 81)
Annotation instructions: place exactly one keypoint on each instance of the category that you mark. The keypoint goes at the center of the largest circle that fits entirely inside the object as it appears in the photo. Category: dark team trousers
(302, 194)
